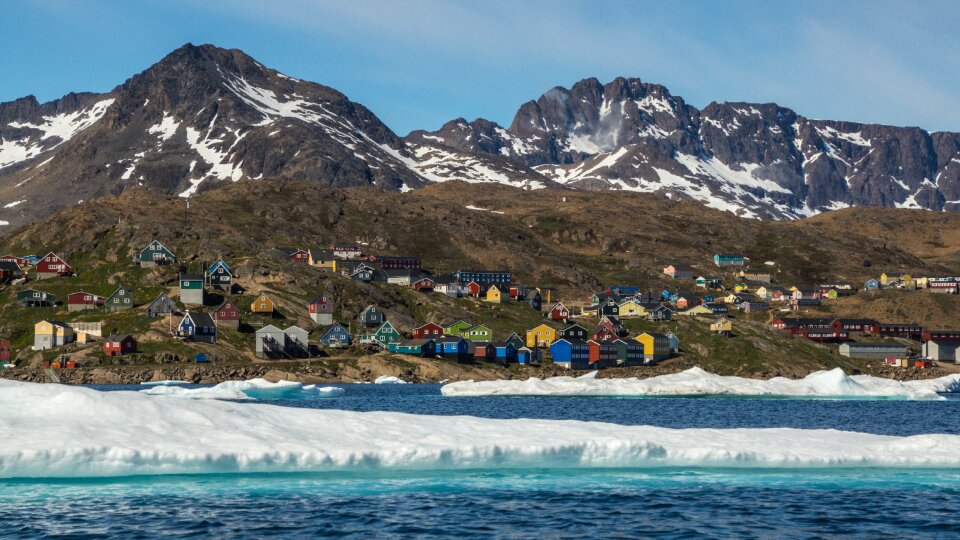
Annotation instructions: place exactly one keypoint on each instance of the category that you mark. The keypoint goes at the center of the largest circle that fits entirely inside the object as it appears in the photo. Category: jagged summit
(203, 116)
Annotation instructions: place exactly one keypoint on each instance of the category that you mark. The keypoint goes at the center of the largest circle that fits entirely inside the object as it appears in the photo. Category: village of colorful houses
(563, 342)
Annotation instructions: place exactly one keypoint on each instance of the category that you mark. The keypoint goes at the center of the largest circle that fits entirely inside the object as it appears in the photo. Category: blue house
(198, 326)
(524, 356)
(219, 274)
(200, 358)
(453, 348)
(504, 352)
(674, 342)
(571, 354)
(871, 285)
(336, 336)
(372, 316)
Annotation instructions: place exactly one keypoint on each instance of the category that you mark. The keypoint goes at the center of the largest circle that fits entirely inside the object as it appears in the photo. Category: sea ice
(64, 431)
(697, 382)
(251, 389)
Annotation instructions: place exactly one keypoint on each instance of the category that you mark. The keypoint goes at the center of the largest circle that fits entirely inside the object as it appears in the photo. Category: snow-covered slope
(756, 160)
(205, 116)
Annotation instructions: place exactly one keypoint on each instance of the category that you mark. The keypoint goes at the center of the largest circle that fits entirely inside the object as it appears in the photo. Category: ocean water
(551, 503)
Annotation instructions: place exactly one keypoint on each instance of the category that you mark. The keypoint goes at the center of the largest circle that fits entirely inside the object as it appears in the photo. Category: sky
(419, 63)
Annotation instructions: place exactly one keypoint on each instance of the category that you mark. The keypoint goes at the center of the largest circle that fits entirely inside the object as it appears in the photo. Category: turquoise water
(671, 503)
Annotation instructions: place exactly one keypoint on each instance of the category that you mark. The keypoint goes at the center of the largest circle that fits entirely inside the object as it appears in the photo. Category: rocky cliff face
(757, 160)
(205, 116)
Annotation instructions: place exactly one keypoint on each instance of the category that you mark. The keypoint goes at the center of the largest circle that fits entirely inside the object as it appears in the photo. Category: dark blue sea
(542, 503)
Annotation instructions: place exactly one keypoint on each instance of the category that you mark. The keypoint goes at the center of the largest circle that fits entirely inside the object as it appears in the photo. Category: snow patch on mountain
(440, 164)
(61, 127)
(165, 129)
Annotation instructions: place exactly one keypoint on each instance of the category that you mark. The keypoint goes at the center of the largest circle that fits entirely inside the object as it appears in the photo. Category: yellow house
(50, 334)
(731, 298)
(630, 309)
(722, 326)
(656, 347)
(495, 296)
(762, 292)
(697, 310)
(541, 336)
(740, 287)
(262, 304)
(892, 278)
(319, 258)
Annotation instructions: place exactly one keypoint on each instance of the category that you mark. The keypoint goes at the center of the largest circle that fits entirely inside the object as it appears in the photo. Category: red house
(423, 284)
(940, 335)
(51, 266)
(81, 300)
(298, 255)
(227, 315)
(22, 262)
(518, 292)
(484, 350)
(475, 289)
(119, 344)
(604, 334)
(603, 354)
(429, 330)
(558, 312)
(4, 351)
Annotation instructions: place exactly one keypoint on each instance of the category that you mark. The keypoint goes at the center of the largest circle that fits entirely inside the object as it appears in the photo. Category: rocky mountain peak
(203, 116)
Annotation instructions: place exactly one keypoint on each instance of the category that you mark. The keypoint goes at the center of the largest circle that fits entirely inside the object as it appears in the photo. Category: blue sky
(418, 63)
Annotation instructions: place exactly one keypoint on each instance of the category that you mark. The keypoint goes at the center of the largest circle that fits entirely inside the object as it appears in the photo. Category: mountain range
(204, 116)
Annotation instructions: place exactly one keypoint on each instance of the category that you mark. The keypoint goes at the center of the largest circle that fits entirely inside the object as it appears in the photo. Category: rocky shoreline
(368, 368)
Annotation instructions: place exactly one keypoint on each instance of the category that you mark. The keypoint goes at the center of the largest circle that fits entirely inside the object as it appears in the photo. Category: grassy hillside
(576, 242)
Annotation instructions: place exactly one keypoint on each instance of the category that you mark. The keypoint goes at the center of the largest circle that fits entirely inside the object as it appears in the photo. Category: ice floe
(251, 389)
(63, 431)
(697, 382)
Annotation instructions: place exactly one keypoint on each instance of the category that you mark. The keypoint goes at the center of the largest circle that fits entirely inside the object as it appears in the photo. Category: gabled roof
(320, 254)
(10, 266)
(191, 277)
(335, 327)
(161, 296)
(319, 299)
(269, 329)
(118, 337)
(224, 303)
(200, 318)
(220, 262)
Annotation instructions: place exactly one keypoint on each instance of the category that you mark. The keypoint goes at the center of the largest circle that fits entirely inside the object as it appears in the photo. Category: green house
(457, 328)
(35, 298)
(155, 254)
(386, 334)
(478, 333)
(191, 289)
(120, 300)
(414, 347)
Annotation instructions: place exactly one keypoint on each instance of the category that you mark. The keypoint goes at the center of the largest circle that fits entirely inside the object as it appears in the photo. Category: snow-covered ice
(251, 389)
(697, 382)
(388, 379)
(64, 431)
(167, 382)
